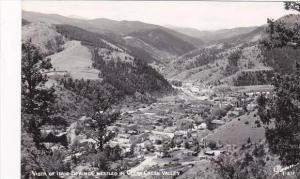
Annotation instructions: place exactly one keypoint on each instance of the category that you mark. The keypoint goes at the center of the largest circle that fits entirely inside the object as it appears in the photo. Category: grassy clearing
(238, 131)
(75, 59)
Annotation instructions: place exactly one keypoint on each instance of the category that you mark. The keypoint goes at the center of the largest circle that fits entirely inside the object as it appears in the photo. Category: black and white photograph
(159, 90)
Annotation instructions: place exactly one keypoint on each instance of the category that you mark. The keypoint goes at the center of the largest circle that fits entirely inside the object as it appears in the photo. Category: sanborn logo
(285, 171)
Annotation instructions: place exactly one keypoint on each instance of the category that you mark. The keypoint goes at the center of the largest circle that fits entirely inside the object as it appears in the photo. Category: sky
(200, 15)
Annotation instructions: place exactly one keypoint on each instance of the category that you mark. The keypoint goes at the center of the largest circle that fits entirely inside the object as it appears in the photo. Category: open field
(238, 131)
(76, 60)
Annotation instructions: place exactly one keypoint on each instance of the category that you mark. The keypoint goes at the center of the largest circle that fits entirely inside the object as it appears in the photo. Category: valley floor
(146, 130)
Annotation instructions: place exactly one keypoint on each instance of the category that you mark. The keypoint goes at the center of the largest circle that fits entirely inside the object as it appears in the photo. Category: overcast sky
(200, 15)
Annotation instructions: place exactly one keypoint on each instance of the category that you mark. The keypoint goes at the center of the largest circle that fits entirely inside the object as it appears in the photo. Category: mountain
(161, 43)
(213, 36)
(256, 58)
(99, 25)
(82, 54)
(175, 44)
(253, 36)
(121, 27)
(173, 51)
(188, 31)
(210, 65)
(76, 17)
(164, 41)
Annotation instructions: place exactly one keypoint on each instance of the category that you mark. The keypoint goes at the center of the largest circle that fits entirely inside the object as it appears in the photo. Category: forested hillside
(283, 57)
(164, 41)
(118, 68)
(44, 36)
(256, 64)
(115, 31)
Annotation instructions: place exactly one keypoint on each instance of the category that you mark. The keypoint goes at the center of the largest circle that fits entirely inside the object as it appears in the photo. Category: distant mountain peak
(215, 35)
(77, 17)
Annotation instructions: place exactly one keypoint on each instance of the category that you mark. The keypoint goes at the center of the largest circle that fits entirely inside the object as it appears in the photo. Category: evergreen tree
(37, 100)
(103, 117)
(283, 109)
(37, 109)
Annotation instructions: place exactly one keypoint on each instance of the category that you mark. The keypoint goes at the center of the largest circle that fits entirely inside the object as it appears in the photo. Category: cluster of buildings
(172, 131)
